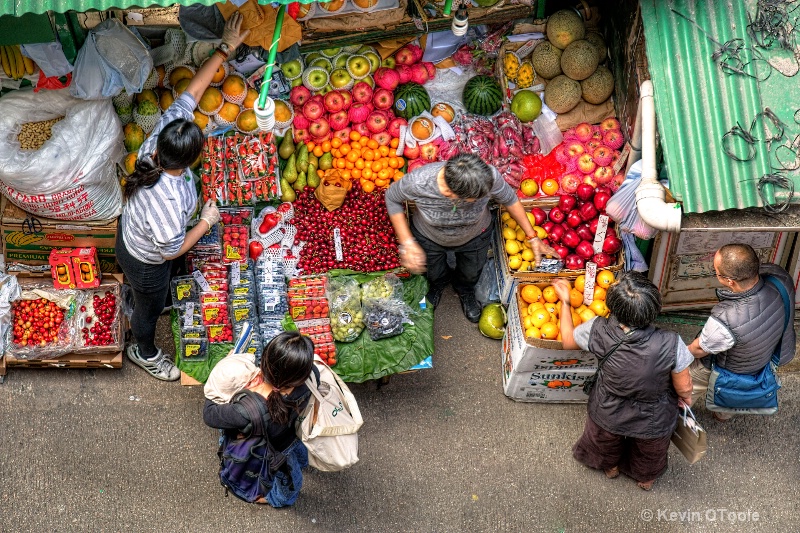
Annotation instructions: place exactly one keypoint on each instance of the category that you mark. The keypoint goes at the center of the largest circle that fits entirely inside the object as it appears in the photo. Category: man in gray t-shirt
(452, 215)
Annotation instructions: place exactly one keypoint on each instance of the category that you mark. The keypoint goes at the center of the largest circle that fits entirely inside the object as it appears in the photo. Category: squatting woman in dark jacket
(287, 362)
(633, 407)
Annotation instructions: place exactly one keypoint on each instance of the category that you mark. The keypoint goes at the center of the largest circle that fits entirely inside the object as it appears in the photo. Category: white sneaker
(159, 367)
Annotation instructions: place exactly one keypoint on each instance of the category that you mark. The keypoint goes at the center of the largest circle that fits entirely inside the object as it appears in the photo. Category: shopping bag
(332, 190)
(330, 424)
(689, 437)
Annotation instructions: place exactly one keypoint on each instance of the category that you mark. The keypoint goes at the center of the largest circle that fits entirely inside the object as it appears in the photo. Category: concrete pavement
(442, 450)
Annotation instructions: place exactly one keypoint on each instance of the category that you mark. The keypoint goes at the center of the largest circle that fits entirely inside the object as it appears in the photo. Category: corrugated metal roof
(20, 7)
(697, 103)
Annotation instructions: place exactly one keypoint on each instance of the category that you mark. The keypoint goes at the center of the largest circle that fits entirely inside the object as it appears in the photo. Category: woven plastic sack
(80, 181)
(111, 59)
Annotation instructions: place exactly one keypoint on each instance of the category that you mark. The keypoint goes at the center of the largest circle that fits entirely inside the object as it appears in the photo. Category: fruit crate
(543, 276)
(93, 357)
(523, 51)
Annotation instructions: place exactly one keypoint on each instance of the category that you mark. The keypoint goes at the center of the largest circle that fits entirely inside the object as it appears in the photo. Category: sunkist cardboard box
(539, 370)
(22, 245)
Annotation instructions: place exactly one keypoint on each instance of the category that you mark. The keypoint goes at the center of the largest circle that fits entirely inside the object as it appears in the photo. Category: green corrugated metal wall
(697, 103)
(19, 7)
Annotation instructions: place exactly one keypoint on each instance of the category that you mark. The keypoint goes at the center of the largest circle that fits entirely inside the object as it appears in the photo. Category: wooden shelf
(319, 40)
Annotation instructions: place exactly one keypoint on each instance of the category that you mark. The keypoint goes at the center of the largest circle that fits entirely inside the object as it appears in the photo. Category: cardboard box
(506, 283)
(540, 371)
(32, 245)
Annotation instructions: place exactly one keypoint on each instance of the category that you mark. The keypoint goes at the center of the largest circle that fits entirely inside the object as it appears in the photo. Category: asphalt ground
(442, 450)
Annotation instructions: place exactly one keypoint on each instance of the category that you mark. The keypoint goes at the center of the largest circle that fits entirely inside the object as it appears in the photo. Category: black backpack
(248, 465)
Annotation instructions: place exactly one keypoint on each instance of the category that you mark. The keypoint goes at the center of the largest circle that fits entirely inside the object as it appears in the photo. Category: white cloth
(229, 377)
(716, 338)
(683, 357)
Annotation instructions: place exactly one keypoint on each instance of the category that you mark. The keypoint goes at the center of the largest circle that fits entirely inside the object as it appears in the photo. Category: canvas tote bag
(330, 424)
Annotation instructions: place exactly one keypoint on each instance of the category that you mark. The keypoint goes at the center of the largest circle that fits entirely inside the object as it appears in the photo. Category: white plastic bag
(111, 59)
(622, 206)
(73, 176)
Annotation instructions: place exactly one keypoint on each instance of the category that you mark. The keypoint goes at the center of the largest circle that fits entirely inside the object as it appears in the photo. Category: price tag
(588, 283)
(623, 158)
(337, 244)
(188, 317)
(201, 281)
(236, 273)
(600, 234)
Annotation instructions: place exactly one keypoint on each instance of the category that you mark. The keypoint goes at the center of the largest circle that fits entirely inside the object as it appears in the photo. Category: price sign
(337, 244)
(201, 281)
(600, 234)
(588, 284)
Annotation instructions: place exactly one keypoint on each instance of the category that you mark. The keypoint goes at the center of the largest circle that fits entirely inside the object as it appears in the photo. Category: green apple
(340, 61)
(358, 66)
(322, 62)
(389, 62)
(331, 52)
(311, 56)
(296, 82)
(315, 78)
(351, 48)
(340, 78)
(374, 61)
(369, 81)
(292, 69)
(364, 49)
(325, 89)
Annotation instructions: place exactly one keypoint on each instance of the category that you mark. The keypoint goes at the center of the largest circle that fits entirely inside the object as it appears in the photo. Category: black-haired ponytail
(146, 174)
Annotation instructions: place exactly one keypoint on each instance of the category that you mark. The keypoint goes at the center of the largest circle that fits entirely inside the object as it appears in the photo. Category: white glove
(210, 213)
(412, 256)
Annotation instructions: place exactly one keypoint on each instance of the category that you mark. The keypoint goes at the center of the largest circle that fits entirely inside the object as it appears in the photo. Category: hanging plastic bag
(486, 290)
(49, 57)
(111, 59)
(73, 175)
(384, 308)
(622, 206)
(347, 317)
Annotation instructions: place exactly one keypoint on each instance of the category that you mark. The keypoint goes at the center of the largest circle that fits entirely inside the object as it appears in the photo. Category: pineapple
(525, 75)
(511, 66)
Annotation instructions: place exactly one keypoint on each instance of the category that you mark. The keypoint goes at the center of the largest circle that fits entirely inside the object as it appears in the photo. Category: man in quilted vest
(747, 324)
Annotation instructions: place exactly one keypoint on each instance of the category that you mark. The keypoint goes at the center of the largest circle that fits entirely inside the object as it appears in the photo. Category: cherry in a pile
(97, 331)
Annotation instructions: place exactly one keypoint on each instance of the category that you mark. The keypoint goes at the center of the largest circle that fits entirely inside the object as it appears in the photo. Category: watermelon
(411, 99)
(482, 96)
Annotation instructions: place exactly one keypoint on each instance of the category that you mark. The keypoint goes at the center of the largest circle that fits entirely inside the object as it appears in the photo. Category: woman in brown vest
(633, 407)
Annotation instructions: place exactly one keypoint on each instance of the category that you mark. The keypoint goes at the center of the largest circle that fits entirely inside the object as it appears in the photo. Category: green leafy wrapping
(358, 361)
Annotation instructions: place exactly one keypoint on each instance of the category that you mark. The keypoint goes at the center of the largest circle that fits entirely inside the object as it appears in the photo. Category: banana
(29, 65)
(19, 61)
(30, 239)
(4, 59)
(12, 61)
(14, 237)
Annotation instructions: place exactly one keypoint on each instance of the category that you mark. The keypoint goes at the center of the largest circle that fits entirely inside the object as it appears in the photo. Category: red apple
(588, 212)
(548, 226)
(555, 233)
(556, 215)
(539, 215)
(603, 260)
(584, 232)
(584, 249)
(571, 238)
(612, 244)
(584, 191)
(566, 202)
(574, 218)
(561, 250)
(574, 262)
(600, 200)
(593, 225)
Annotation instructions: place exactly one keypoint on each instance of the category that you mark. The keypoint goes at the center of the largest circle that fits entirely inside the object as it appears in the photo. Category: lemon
(533, 333)
(586, 315)
(525, 266)
(549, 331)
(576, 319)
(511, 223)
(509, 233)
(512, 247)
(599, 307)
(531, 218)
(526, 322)
(527, 254)
(520, 234)
(514, 262)
(526, 244)
(530, 293)
(552, 307)
(505, 216)
(579, 283)
(539, 318)
(534, 306)
(540, 232)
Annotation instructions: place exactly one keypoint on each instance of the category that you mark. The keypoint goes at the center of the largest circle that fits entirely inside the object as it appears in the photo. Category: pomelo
(492, 323)
(526, 105)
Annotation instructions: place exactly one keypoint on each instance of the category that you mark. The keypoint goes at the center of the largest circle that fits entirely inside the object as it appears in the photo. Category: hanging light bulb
(460, 22)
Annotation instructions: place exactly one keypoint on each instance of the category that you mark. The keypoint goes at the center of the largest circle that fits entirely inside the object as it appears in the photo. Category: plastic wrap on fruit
(34, 333)
(386, 318)
(347, 317)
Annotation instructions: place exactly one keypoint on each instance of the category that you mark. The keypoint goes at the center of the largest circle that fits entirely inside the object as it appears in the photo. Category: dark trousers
(470, 259)
(150, 284)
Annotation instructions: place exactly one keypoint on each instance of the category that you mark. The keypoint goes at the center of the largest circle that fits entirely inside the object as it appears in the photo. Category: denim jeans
(285, 490)
(150, 285)
(470, 260)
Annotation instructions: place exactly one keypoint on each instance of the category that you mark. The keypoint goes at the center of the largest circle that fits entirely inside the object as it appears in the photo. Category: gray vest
(755, 319)
(634, 396)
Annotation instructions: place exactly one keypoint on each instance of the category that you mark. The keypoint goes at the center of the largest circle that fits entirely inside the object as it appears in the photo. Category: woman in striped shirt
(160, 200)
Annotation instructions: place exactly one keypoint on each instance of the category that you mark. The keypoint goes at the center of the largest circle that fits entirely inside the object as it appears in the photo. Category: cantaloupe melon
(565, 26)
(579, 60)
(562, 94)
(598, 87)
(546, 60)
(599, 43)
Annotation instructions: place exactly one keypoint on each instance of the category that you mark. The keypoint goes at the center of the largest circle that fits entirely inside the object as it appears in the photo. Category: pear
(300, 183)
(286, 147)
(287, 193)
(290, 172)
(326, 161)
(313, 179)
(302, 158)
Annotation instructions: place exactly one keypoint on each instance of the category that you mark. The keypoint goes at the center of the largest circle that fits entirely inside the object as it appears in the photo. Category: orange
(540, 317)
(397, 175)
(550, 186)
(349, 165)
(337, 153)
(549, 294)
(326, 146)
(219, 75)
(376, 166)
(384, 150)
(233, 86)
(586, 315)
(310, 145)
(367, 155)
(367, 186)
(575, 298)
(363, 141)
(346, 174)
(372, 143)
(549, 331)
(367, 173)
(533, 333)
(530, 293)
(317, 151)
(576, 319)
(382, 182)
(345, 149)
(210, 100)
(393, 162)
(352, 156)
(229, 112)
(599, 307)
(605, 278)
(341, 163)
(354, 135)
(579, 283)
(394, 143)
(320, 173)
(359, 163)
(599, 294)
(336, 142)
(356, 173)
(250, 99)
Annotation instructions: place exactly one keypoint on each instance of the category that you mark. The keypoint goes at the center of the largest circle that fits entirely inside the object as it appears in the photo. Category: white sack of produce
(73, 175)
